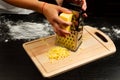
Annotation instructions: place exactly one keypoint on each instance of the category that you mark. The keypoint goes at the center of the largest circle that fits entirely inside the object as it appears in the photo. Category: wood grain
(91, 49)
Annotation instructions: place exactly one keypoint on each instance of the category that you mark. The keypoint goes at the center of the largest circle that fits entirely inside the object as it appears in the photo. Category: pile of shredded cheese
(58, 53)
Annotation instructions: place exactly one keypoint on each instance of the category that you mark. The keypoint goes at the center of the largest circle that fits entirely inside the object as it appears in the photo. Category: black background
(15, 64)
(109, 8)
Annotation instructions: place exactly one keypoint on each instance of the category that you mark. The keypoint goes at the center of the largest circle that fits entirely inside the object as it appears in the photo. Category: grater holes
(72, 32)
(70, 39)
(72, 36)
(72, 46)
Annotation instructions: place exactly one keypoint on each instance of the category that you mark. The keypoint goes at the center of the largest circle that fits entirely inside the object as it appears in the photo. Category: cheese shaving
(58, 53)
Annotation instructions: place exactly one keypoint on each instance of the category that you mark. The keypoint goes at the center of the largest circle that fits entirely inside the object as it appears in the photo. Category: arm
(27, 4)
(49, 10)
(84, 5)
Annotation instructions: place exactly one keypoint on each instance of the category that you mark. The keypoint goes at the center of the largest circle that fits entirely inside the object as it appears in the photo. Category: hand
(79, 2)
(51, 12)
(84, 7)
(59, 2)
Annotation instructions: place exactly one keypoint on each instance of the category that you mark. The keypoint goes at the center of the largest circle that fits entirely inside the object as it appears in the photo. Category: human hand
(78, 2)
(81, 2)
(51, 12)
(84, 6)
(59, 2)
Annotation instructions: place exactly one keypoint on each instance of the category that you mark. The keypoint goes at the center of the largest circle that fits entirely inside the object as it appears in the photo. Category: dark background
(15, 64)
(106, 8)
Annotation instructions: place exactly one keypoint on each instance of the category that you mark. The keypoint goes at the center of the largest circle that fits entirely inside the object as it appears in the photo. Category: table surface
(15, 64)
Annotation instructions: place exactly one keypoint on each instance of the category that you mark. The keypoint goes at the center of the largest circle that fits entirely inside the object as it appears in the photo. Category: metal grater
(73, 40)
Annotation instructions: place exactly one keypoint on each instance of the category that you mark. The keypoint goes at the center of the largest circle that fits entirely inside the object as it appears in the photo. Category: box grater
(72, 41)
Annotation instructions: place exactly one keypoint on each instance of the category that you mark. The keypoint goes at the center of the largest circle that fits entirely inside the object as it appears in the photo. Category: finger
(84, 7)
(61, 22)
(60, 31)
(84, 15)
(59, 2)
(57, 29)
(64, 33)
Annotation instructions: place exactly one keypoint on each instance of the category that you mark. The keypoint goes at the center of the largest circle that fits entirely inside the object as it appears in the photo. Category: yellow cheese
(58, 53)
(68, 18)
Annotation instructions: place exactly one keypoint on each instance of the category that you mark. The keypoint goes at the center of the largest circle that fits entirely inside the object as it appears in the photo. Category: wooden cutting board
(95, 45)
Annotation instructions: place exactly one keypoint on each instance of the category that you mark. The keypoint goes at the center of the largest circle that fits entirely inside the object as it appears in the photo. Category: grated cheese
(58, 53)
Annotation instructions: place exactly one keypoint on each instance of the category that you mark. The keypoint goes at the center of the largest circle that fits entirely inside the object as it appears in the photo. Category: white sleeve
(7, 8)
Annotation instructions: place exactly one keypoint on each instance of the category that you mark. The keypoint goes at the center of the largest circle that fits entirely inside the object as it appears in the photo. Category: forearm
(27, 4)
(84, 1)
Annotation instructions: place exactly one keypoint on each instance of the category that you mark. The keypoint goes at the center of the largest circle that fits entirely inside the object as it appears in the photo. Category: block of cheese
(68, 18)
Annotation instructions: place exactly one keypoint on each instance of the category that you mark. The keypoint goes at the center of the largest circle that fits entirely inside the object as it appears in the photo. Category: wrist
(83, 0)
(40, 6)
(43, 6)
